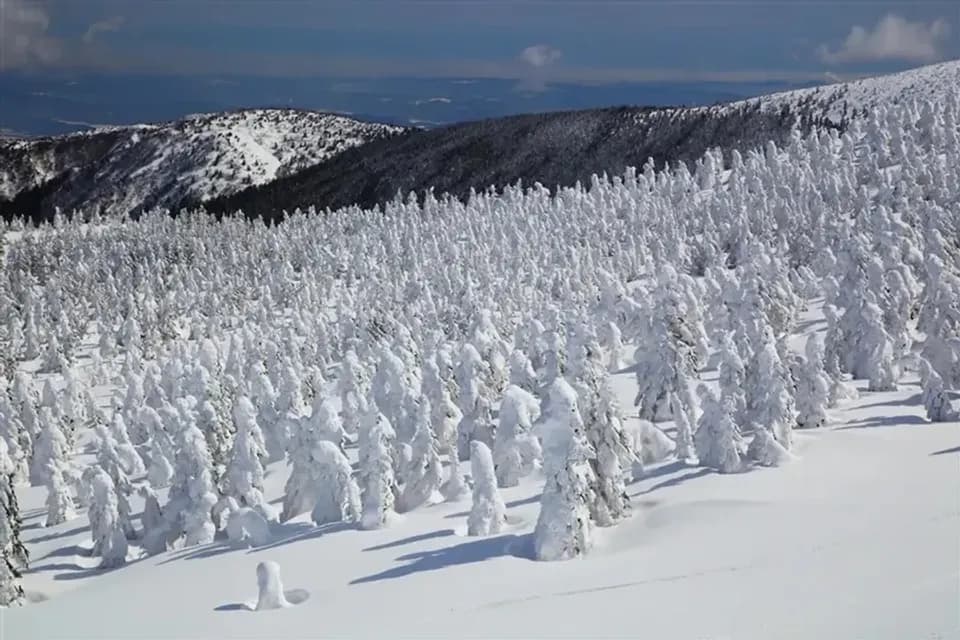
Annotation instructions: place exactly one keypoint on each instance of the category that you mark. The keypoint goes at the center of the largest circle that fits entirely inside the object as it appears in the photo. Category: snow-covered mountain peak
(189, 160)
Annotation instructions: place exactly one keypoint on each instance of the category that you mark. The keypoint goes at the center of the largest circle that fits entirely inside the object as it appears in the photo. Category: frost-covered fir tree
(243, 479)
(474, 402)
(521, 371)
(156, 529)
(563, 529)
(732, 376)
(314, 470)
(476, 425)
(110, 462)
(425, 470)
(352, 386)
(13, 554)
(376, 475)
(132, 463)
(159, 446)
(192, 493)
(16, 438)
(50, 466)
(770, 400)
(603, 427)
(488, 513)
(717, 439)
(516, 449)
(812, 386)
(445, 415)
(338, 495)
(936, 402)
(106, 529)
(683, 426)
(666, 359)
(879, 366)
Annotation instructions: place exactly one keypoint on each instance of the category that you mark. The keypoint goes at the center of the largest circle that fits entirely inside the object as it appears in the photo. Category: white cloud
(540, 55)
(102, 26)
(893, 38)
(433, 100)
(23, 35)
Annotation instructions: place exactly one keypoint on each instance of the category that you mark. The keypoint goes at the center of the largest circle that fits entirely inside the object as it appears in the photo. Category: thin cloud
(540, 55)
(24, 41)
(893, 38)
(103, 26)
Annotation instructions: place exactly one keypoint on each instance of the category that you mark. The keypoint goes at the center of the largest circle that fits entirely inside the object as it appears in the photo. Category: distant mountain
(266, 161)
(562, 148)
(166, 165)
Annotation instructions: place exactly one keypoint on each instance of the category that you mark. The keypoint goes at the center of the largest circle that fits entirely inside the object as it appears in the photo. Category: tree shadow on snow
(946, 451)
(662, 470)
(885, 421)
(465, 553)
(56, 534)
(56, 566)
(914, 400)
(441, 533)
(72, 550)
(671, 482)
(307, 532)
(510, 505)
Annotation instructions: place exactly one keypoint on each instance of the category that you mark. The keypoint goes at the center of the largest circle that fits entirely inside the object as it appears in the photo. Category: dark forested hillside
(553, 149)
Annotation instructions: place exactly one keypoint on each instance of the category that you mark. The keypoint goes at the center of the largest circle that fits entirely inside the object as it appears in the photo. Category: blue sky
(595, 41)
(533, 45)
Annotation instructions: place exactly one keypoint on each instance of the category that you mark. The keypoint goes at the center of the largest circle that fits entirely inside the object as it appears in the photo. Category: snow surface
(858, 538)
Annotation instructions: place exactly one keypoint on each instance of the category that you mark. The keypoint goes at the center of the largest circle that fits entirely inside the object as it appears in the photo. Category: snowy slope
(190, 160)
(856, 539)
(931, 82)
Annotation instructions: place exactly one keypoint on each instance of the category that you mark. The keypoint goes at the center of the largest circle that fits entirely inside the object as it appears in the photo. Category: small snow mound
(272, 595)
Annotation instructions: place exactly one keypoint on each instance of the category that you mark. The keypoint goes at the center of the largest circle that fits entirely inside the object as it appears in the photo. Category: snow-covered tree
(717, 439)
(425, 470)
(192, 493)
(338, 495)
(376, 475)
(13, 554)
(352, 386)
(880, 367)
(683, 426)
(732, 377)
(603, 427)
(666, 357)
(516, 449)
(563, 527)
(244, 474)
(935, 399)
(488, 513)
(812, 386)
(49, 467)
(316, 472)
(770, 401)
(109, 538)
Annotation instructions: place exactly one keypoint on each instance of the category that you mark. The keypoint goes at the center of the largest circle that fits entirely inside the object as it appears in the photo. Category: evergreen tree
(13, 554)
(563, 529)
(377, 480)
(109, 539)
(243, 479)
(488, 513)
(516, 449)
(717, 440)
(425, 474)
